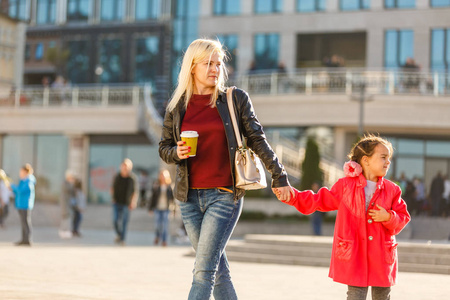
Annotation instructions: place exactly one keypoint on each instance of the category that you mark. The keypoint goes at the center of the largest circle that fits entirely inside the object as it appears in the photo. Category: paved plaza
(93, 267)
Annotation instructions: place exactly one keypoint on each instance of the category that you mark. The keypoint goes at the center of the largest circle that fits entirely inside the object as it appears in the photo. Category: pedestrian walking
(78, 208)
(210, 204)
(24, 202)
(436, 192)
(370, 213)
(124, 193)
(67, 197)
(161, 203)
(4, 197)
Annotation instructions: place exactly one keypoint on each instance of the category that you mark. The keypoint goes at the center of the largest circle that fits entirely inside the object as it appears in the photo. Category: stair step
(285, 250)
(278, 259)
(316, 251)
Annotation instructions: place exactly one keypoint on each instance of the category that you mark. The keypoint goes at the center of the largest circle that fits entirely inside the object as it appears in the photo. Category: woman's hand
(182, 150)
(380, 214)
(283, 193)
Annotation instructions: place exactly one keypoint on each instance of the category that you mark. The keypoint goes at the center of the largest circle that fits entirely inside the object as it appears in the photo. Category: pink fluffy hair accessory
(352, 169)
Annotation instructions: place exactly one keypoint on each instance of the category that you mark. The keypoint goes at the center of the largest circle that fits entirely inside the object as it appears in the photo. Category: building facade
(12, 45)
(292, 45)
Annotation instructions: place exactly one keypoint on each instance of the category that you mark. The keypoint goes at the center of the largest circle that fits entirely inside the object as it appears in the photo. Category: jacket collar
(362, 182)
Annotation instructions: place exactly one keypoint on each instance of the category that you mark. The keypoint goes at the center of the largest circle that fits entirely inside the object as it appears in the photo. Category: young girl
(370, 213)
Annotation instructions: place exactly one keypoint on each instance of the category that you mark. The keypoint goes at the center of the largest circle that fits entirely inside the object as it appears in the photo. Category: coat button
(231, 148)
(226, 124)
(370, 238)
(370, 221)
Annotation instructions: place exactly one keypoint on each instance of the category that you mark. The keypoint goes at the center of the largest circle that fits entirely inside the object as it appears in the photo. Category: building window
(18, 9)
(111, 61)
(268, 6)
(227, 7)
(112, 10)
(46, 11)
(398, 45)
(266, 51)
(400, 3)
(311, 5)
(27, 52)
(440, 3)
(355, 4)
(147, 9)
(39, 51)
(78, 61)
(146, 59)
(440, 49)
(78, 10)
(230, 43)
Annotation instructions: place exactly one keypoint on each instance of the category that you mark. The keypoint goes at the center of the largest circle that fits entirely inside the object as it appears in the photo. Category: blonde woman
(210, 204)
(4, 196)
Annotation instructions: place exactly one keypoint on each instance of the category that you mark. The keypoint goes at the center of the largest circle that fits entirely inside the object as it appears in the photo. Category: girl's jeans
(360, 293)
(210, 216)
(162, 224)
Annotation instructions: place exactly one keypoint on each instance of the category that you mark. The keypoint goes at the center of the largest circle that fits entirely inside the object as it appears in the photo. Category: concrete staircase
(316, 251)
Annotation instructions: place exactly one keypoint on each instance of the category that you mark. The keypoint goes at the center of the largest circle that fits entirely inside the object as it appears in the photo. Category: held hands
(380, 214)
(283, 193)
(182, 150)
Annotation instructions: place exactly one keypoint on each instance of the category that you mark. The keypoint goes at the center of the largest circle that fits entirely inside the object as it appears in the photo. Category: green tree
(311, 171)
(58, 58)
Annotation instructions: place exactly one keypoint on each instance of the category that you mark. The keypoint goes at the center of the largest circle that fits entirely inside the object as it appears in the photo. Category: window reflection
(440, 49)
(111, 61)
(147, 9)
(41, 151)
(78, 62)
(266, 51)
(146, 59)
(440, 3)
(18, 9)
(311, 5)
(355, 4)
(268, 6)
(39, 52)
(227, 7)
(438, 148)
(46, 11)
(400, 3)
(78, 10)
(399, 45)
(112, 10)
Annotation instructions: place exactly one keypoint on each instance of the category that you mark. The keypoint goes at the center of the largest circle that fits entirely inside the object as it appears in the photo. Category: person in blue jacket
(24, 192)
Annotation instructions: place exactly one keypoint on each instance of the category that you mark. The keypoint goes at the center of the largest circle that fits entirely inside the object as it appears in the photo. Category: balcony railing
(345, 81)
(75, 96)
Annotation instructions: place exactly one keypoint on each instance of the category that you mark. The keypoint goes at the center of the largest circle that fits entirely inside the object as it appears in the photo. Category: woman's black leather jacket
(250, 128)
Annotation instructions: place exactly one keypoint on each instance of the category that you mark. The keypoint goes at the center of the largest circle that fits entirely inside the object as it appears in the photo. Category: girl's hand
(182, 150)
(283, 193)
(380, 214)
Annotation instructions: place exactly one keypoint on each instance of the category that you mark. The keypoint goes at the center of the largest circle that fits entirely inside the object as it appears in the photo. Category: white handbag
(249, 172)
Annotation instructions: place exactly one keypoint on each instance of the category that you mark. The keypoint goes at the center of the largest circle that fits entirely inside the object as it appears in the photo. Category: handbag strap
(233, 116)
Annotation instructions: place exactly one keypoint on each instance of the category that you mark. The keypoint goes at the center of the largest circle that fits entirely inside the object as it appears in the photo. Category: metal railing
(80, 95)
(345, 81)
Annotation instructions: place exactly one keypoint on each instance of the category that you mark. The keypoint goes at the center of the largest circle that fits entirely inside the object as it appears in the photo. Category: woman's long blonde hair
(198, 51)
(4, 178)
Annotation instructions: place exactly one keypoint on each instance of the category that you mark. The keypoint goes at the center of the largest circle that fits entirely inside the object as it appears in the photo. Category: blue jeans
(162, 224)
(76, 221)
(210, 216)
(121, 213)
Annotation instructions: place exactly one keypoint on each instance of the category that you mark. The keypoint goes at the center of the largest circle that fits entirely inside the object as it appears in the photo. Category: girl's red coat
(364, 251)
